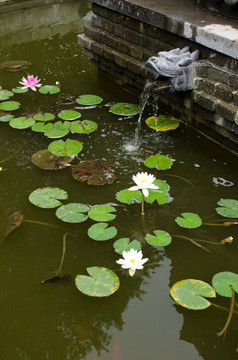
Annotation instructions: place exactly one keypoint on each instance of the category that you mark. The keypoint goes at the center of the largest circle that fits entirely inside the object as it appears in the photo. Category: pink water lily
(31, 82)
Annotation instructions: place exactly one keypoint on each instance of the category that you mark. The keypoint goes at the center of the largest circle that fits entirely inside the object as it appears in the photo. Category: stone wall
(120, 43)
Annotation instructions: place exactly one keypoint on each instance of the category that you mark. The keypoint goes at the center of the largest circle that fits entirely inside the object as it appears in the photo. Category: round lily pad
(89, 99)
(228, 208)
(65, 148)
(160, 162)
(223, 282)
(124, 109)
(55, 133)
(124, 244)
(83, 127)
(69, 115)
(48, 197)
(102, 213)
(21, 122)
(62, 125)
(19, 90)
(161, 238)
(189, 220)
(162, 123)
(5, 94)
(129, 196)
(6, 118)
(49, 89)
(47, 161)
(42, 127)
(101, 232)
(72, 213)
(160, 195)
(101, 282)
(190, 294)
(44, 117)
(9, 105)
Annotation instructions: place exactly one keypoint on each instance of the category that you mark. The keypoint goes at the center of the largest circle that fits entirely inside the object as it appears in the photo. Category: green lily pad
(5, 94)
(72, 213)
(162, 123)
(189, 220)
(190, 294)
(223, 282)
(160, 195)
(9, 105)
(161, 238)
(69, 115)
(124, 244)
(160, 162)
(54, 133)
(42, 127)
(65, 148)
(48, 197)
(102, 213)
(101, 232)
(95, 172)
(89, 99)
(229, 208)
(6, 118)
(62, 125)
(44, 117)
(49, 89)
(83, 127)
(19, 90)
(47, 161)
(101, 282)
(129, 196)
(124, 109)
(21, 122)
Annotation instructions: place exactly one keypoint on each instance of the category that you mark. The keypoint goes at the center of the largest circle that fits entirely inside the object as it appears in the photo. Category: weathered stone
(223, 92)
(209, 102)
(204, 85)
(228, 111)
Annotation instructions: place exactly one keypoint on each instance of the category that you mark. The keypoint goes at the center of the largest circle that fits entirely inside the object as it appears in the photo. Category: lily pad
(124, 109)
(129, 196)
(162, 123)
(48, 197)
(5, 94)
(49, 89)
(83, 127)
(101, 232)
(6, 118)
(124, 244)
(229, 208)
(160, 162)
(190, 294)
(9, 222)
(21, 122)
(89, 99)
(44, 117)
(69, 115)
(47, 161)
(101, 282)
(15, 65)
(65, 148)
(42, 127)
(62, 125)
(72, 213)
(189, 220)
(161, 238)
(55, 133)
(9, 105)
(19, 90)
(102, 213)
(160, 195)
(223, 282)
(95, 172)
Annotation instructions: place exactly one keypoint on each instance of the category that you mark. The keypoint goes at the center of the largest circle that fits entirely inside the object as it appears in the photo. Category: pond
(54, 320)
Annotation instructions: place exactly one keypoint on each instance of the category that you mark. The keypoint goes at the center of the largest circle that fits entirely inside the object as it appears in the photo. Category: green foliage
(83, 127)
(129, 196)
(124, 244)
(69, 115)
(47, 161)
(6, 118)
(100, 232)
(42, 127)
(19, 90)
(160, 162)
(21, 122)
(161, 238)
(65, 148)
(44, 117)
(48, 197)
(89, 99)
(228, 208)
(49, 89)
(72, 213)
(223, 282)
(5, 94)
(162, 123)
(189, 220)
(124, 109)
(9, 105)
(102, 213)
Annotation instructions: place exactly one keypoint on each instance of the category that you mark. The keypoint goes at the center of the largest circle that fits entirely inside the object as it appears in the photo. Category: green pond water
(140, 321)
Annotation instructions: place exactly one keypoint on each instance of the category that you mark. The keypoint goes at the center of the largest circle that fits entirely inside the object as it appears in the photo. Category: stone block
(137, 52)
(235, 97)
(223, 92)
(206, 101)
(228, 111)
(205, 85)
(233, 81)
(132, 36)
(217, 74)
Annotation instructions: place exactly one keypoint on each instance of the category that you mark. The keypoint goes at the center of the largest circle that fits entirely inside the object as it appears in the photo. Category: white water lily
(132, 261)
(144, 182)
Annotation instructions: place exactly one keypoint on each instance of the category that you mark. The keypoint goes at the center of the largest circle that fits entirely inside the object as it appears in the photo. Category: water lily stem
(223, 331)
(226, 223)
(180, 177)
(42, 223)
(63, 254)
(194, 241)
(143, 205)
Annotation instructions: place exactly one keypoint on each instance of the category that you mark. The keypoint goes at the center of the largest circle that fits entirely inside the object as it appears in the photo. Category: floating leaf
(9, 105)
(161, 162)
(69, 115)
(42, 127)
(161, 238)
(72, 213)
(190, 294)
(65, 148)
(89, 99)
(124, 244)
(6, 118)
(47, 161)
(160, 195)
(189, 220)
(49, 89)
(48, 197)
(55, 133)
(19, 90)
(9, 222)
(223, 282)
(124, 109)
(101, 232)
(57, 278)
(83, 127)
(62, 125)
(15, 65)
(101, 282)
(5, 94)
(129, 196)
(162, 123)
(44, 117)
(102, 213)
(95, 172)
(21, 122)
(229, 208)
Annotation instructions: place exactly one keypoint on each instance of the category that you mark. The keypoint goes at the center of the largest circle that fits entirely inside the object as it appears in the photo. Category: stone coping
(183, 18)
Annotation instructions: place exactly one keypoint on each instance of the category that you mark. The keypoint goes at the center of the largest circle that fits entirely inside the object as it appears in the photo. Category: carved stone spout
(175, 66)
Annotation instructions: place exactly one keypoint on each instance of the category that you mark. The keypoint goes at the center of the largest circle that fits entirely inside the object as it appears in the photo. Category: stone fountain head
(176, 66)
